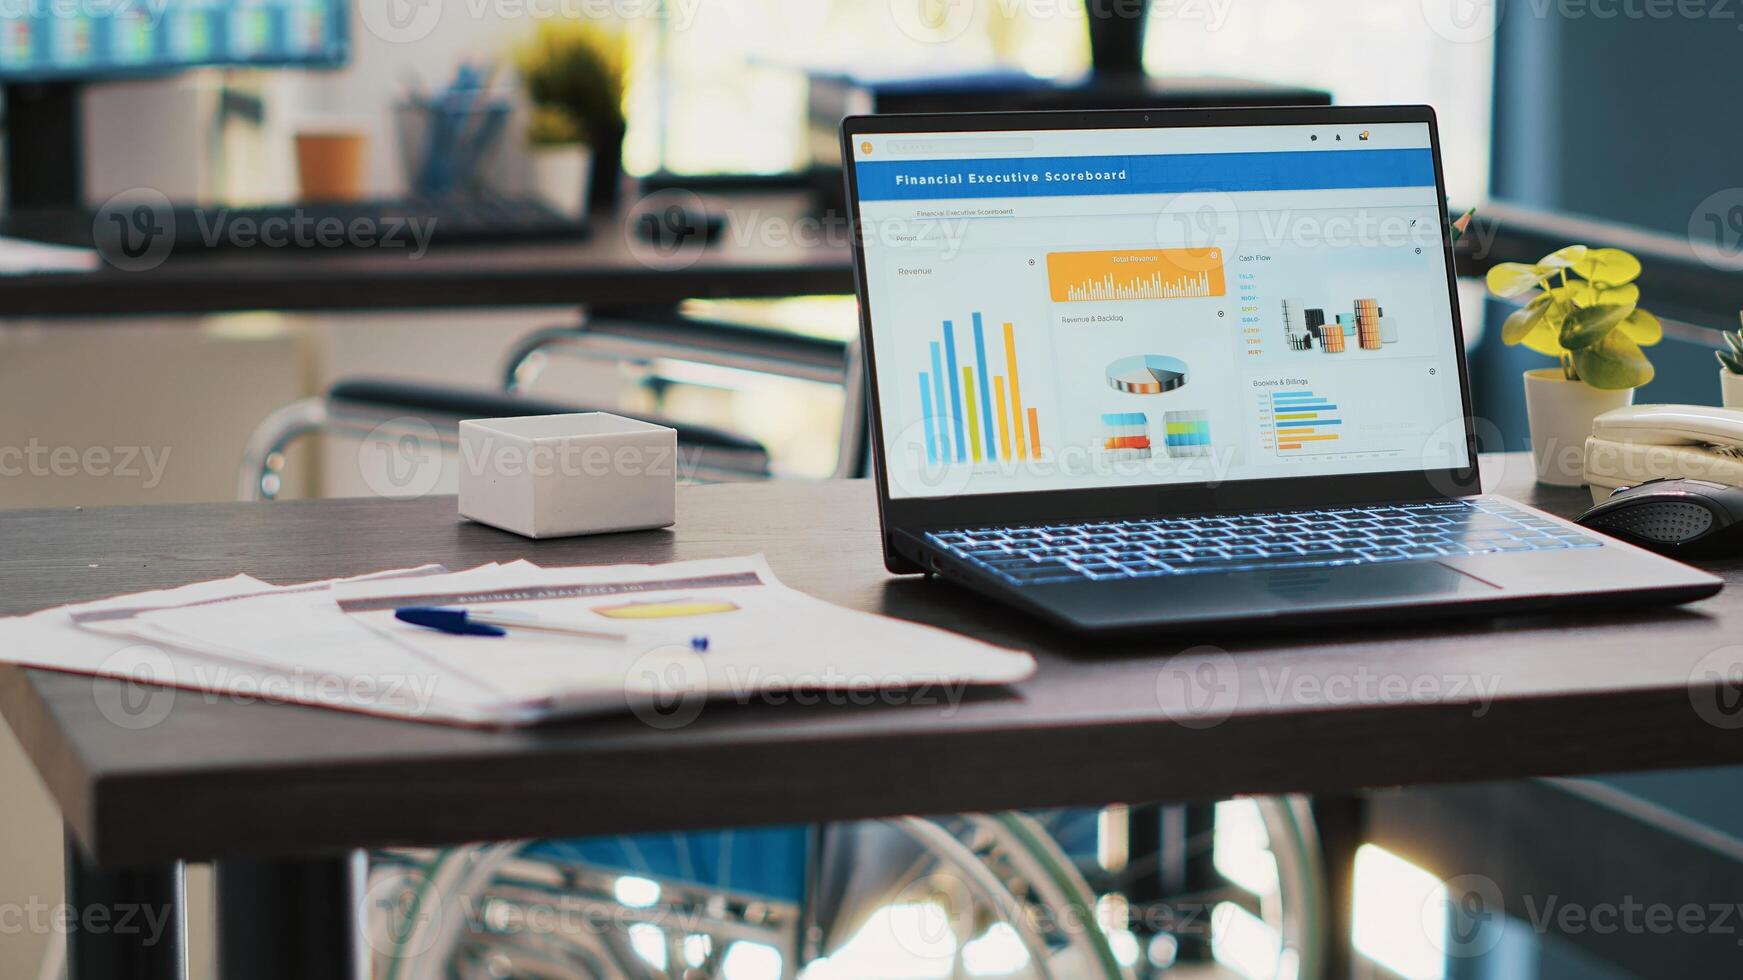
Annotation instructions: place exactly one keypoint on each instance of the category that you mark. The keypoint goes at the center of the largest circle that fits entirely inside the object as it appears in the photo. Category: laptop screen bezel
(916, 514)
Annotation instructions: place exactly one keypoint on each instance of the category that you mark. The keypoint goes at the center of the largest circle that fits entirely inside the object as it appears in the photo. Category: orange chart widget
(1157, 273)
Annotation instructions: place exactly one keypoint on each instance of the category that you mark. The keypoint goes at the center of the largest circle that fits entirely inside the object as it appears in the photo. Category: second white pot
(1561, 413)
(560, 177)
(1730, 389)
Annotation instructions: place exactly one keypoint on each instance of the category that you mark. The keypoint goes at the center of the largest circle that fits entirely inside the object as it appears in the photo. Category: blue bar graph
(1302, 422)
(938, 401)
(926, 420)
(955, 396)
(998, 408)
(986, 398)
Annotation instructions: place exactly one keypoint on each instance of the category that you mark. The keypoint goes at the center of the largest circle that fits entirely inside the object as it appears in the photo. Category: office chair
(394, 411)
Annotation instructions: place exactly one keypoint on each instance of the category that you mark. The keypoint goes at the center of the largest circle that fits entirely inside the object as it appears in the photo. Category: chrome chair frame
(263, 458)
(645, 338)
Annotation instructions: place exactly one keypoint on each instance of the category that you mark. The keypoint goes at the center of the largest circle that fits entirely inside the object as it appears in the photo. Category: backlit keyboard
(1289, 539)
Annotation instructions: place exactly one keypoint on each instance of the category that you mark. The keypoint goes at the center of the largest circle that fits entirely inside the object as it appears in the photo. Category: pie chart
(1147, 374)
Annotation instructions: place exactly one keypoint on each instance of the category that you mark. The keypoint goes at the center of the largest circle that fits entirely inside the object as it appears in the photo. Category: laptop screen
(1063, 309)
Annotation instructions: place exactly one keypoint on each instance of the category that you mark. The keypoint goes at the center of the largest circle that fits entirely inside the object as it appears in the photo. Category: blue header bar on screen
(1163, 173)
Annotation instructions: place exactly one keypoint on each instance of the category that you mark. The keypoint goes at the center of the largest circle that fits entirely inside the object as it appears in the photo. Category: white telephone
(1631, 445)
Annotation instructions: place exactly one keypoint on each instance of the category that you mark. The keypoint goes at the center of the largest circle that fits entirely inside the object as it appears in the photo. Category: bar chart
(1126, 435)
(1157, 273)
(1304, 422)
(1306, 327)
(969, 413)
(1186, 434)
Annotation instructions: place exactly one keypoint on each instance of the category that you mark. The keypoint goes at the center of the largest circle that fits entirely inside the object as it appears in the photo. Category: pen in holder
(447, 140)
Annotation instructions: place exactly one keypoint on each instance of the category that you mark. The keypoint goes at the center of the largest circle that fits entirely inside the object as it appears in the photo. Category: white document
(311, 653)
(674, 637)
(692, 632)
(110, 638)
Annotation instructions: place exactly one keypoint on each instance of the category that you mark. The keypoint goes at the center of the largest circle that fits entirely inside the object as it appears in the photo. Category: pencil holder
(548, 476)
(447, 146)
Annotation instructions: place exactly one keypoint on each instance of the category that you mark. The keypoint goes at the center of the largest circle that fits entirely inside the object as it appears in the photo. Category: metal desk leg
(124, 924)
(291, 918)
(1342, 823)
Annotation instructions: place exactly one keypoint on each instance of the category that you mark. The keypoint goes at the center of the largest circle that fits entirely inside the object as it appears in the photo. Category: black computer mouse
(1683, 518)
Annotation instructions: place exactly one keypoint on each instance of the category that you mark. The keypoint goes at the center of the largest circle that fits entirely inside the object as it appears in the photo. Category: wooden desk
(1330, 711)
(772, 246)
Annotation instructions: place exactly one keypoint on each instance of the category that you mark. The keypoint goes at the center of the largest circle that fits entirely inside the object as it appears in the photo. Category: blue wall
(1637, 119)
(1631, 119)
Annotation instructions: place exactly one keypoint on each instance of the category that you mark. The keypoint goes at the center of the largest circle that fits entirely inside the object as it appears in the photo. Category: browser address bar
(955, 145)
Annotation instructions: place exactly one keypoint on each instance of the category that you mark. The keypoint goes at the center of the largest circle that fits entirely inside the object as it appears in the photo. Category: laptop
(1188, 367)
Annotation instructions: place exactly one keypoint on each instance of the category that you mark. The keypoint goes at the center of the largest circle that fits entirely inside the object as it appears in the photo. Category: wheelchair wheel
(1254, 902)
(991, 895)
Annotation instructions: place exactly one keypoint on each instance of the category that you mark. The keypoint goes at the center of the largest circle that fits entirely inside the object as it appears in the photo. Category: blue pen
(495, 622)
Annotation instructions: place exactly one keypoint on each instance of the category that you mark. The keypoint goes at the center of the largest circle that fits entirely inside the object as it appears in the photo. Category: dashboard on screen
(1100, 308)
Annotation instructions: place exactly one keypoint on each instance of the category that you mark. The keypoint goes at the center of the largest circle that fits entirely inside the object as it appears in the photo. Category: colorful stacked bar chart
(1368, 323)
(1126, 435)
(969, 414)
(1295, 332)
(1304, 421)
(1186, 434)
(1155, 273)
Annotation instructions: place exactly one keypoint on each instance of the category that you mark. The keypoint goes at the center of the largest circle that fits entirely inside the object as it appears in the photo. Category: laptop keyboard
(1291, 539)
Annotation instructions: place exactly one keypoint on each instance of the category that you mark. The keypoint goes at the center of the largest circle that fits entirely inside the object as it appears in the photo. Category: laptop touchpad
(1113, 603)
(1358, 584)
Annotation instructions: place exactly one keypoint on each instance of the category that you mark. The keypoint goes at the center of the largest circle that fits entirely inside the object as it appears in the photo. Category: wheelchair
(986, 895)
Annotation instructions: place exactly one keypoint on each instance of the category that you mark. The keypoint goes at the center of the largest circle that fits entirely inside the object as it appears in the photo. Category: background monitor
(48, 40)
(48, 48)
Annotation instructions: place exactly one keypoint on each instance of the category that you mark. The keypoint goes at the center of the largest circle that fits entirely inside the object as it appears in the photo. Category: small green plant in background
(573, 72)
(550, 126)
(1584, 312)
(1732, 360)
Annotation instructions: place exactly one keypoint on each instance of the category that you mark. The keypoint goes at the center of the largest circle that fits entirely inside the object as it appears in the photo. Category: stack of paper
(669, 638)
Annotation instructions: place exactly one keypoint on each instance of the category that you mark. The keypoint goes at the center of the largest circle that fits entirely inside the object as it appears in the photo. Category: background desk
(218, 779)
(772, 246)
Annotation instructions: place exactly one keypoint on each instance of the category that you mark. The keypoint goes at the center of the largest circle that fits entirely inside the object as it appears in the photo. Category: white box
(547, 476)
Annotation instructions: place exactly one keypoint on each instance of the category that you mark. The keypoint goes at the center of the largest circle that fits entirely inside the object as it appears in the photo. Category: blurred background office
(1559, 122)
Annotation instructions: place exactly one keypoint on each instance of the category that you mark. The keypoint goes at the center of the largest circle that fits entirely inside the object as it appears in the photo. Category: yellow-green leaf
(1591, 324)
(1613, 362)
(1643, 328)
(1608, 266)
(1512, 278)
(1575, 293)
(1544, 340)
(1563, 257)
(1521, 322)
(1626, 295)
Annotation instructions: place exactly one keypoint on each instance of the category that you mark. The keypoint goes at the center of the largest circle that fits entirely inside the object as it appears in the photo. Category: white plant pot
(1730, 389)
(560, 177)
(1561, 413)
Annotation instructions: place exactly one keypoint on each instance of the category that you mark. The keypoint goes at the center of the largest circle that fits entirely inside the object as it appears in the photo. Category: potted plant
(561, 161)
(1731, 369)
(1583, 312)
(573, 74)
